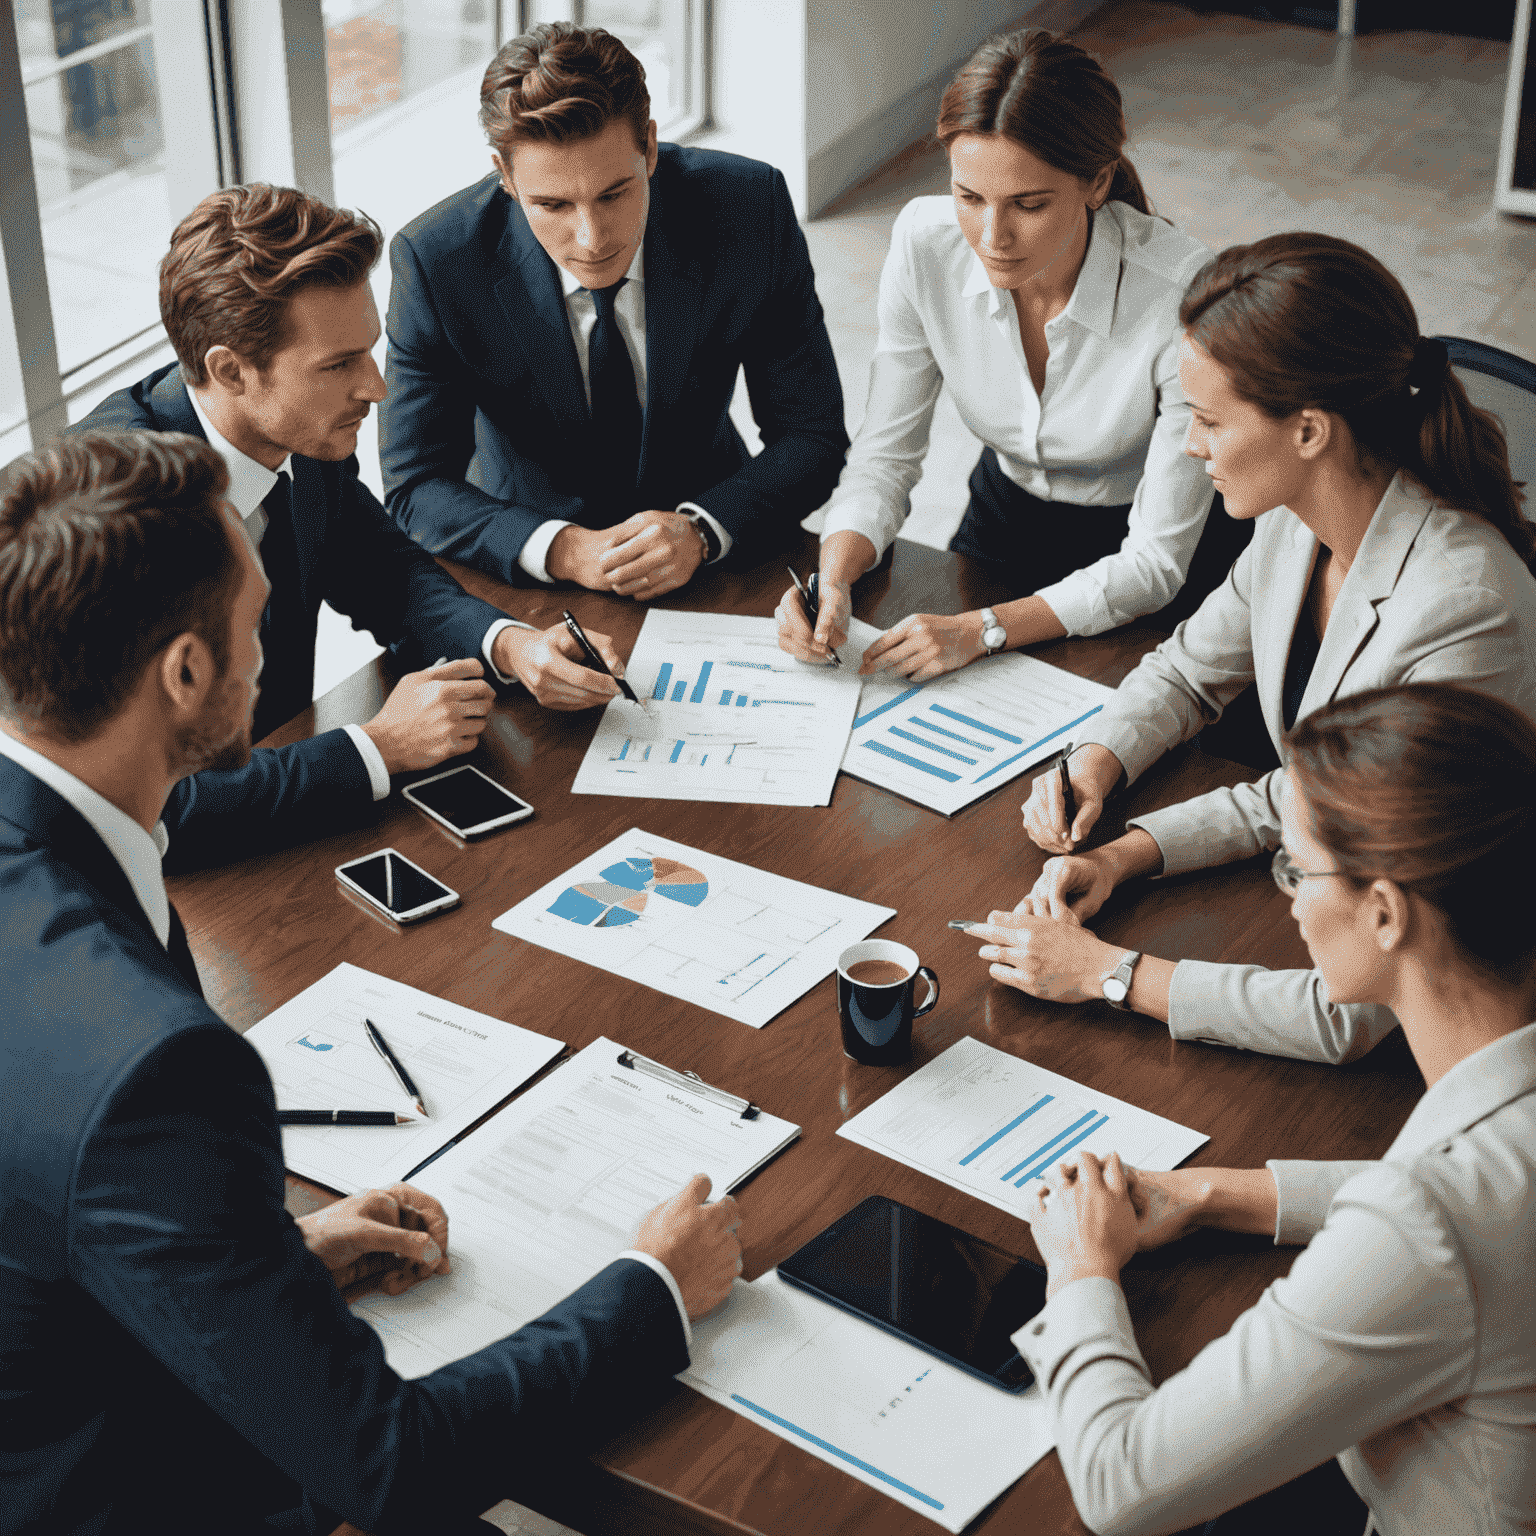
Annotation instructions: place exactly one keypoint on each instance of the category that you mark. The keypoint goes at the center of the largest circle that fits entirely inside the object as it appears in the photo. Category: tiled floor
(1242, 129)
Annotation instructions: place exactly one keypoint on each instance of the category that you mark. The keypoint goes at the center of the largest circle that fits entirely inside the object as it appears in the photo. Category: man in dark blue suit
(565, 337)
(175, 1350)
(265, 296)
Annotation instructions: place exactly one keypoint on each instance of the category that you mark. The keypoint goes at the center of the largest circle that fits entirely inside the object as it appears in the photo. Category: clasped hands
(647, 555)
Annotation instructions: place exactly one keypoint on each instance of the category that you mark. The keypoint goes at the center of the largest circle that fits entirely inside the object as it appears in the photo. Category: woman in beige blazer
(1389, 547)
(1403, 1340)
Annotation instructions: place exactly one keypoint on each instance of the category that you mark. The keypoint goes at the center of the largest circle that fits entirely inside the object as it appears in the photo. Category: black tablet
(949, 1293)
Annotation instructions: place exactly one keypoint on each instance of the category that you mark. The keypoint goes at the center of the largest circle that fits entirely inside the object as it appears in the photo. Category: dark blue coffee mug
(877, 1007)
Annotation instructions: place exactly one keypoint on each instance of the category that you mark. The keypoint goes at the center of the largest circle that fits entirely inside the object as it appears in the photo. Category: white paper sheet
(733, 939)
(320, 1057)
(907, 1424)
(983, 1121)
(549, 1192)
(729, 717)
(948, 742)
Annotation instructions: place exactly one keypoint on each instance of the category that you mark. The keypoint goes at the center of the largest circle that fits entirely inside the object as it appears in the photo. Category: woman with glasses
(1044, 293)
(1388, 547)
(1408, 819)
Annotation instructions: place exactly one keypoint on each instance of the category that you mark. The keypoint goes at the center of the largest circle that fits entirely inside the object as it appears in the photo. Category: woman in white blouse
(1045, 294)
(1403, 1339)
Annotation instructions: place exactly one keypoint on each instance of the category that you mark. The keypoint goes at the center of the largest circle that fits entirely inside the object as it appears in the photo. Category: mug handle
(932, 978)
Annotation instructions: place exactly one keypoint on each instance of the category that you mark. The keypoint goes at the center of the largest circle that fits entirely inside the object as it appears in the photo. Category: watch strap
(707, 534)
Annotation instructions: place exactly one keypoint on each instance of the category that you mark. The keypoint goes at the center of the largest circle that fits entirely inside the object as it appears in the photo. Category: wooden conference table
(264, 930)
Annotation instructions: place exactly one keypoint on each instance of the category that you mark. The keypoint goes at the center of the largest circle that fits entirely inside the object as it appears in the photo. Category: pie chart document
(727, 717)
(733, 939)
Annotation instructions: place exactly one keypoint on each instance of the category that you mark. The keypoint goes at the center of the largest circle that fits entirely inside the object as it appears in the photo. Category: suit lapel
(533, 307)
(1285, 570)
(1371, 579)
(674, 302)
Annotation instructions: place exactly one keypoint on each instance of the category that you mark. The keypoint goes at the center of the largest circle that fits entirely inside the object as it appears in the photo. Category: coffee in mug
(876, 1000)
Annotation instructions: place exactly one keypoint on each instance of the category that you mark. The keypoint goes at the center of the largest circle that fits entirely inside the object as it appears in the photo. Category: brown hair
(1308, 320)
(559, 82)
(238, 258)
(111, 545)
(1433, 787)
(1053, 98)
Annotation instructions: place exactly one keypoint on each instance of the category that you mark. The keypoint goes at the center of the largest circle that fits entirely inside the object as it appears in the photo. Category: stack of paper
(320, 1057)
(909, 1425)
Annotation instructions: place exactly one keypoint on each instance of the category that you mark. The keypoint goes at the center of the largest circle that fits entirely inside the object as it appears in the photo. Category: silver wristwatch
(1117, 985)
(993, 635)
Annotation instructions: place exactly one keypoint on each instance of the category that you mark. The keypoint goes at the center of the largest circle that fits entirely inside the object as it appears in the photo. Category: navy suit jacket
(486, 433)
(172, 1358)
(350, 555)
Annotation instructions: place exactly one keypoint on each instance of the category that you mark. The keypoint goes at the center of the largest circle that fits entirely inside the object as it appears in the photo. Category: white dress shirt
(138, 852)
(1109, 427)
(250, 484)
(581, 312)
(1403, 1340)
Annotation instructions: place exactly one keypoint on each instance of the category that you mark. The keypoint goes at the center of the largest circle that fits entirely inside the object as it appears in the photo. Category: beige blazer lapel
(1371, 579)
(1280, 578)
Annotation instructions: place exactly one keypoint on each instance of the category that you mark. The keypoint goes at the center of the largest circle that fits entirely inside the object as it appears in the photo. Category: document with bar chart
(728, 717)
(951, 741)
(733, 939)
(992, 1125)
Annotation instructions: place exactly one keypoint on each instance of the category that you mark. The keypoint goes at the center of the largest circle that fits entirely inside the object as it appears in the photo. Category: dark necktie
(180, 951)
(616, 417)
(287, 675)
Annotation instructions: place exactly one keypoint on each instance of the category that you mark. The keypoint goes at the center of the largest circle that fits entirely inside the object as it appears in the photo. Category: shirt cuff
(535, 551)
(1304, 1191)
(1087, 1309)
(487, 645)
(373, 761)
(653, 1263)
(1072, 601)
(720, 533)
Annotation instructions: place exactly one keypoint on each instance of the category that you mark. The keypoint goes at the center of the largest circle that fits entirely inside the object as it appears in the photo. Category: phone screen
(396, 885)
(467, 798)
(941, 1288)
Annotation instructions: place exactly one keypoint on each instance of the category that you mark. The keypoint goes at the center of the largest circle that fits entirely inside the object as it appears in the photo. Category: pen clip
(689, 1080)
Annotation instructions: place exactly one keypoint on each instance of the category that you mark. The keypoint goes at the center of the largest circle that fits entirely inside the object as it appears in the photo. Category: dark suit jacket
(173, 1358)
(486, 432)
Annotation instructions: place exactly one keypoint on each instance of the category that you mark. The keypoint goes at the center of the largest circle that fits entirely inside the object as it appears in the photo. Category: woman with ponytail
(1403, 1340)
(1389, 547)
(1045, 294)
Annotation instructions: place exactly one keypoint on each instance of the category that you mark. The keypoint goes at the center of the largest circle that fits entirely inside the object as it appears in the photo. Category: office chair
(1500, 382)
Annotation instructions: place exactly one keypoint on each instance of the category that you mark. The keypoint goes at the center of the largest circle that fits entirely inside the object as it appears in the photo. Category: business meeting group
(1254, 450)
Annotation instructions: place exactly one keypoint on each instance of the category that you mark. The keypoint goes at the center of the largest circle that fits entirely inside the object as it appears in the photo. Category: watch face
(1116, 990)
(992, 638)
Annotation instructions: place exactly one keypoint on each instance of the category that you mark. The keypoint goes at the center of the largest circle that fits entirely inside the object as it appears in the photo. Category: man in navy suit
(565, 337)
(265, 296)
(175, 1349)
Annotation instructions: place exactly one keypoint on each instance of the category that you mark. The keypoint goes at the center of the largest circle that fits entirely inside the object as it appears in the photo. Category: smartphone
(398, 888)
(467, 801)
(951, 1294)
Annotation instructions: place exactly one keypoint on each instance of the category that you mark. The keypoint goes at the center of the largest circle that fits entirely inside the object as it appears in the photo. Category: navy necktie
(616, 416)
(287, 677)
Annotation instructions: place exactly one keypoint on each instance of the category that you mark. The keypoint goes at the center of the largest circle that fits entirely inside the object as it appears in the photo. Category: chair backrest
(1500, 382)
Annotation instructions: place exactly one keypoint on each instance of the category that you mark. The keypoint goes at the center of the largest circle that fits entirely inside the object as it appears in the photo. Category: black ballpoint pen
(810, 595)
(381, 1045)
(342, 1117)
(595, 661)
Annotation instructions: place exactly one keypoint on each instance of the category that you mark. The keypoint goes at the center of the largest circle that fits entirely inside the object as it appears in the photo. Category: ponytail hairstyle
(1304, 320)
(1051, 98)
(1433, 787)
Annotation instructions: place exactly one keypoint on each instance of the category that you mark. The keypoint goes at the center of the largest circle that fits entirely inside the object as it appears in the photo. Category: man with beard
(176, 1351)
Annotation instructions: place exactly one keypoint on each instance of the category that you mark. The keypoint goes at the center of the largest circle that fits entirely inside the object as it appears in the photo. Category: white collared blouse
(1109, 427)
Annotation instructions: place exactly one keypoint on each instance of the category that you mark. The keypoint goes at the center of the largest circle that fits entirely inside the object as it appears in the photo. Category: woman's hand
(835, 609)
(1084, 1221)
(382, 1239)
(1060, 962)
(926, 645)
(1071, 889)
(1094, 772)
(1168, 1205)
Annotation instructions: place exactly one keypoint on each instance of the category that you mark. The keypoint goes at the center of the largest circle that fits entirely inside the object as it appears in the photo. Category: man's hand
(432, 715)
(1094, 772)
(926, 645)
(1083, 1220)
(550, 664)
(383, 1239)
(653, 553)
(1071, 889)
(697, 1243)
(1061, 962)
(576, 554)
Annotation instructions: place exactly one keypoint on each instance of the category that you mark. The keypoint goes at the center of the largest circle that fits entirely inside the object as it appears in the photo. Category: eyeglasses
(1288, 877)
